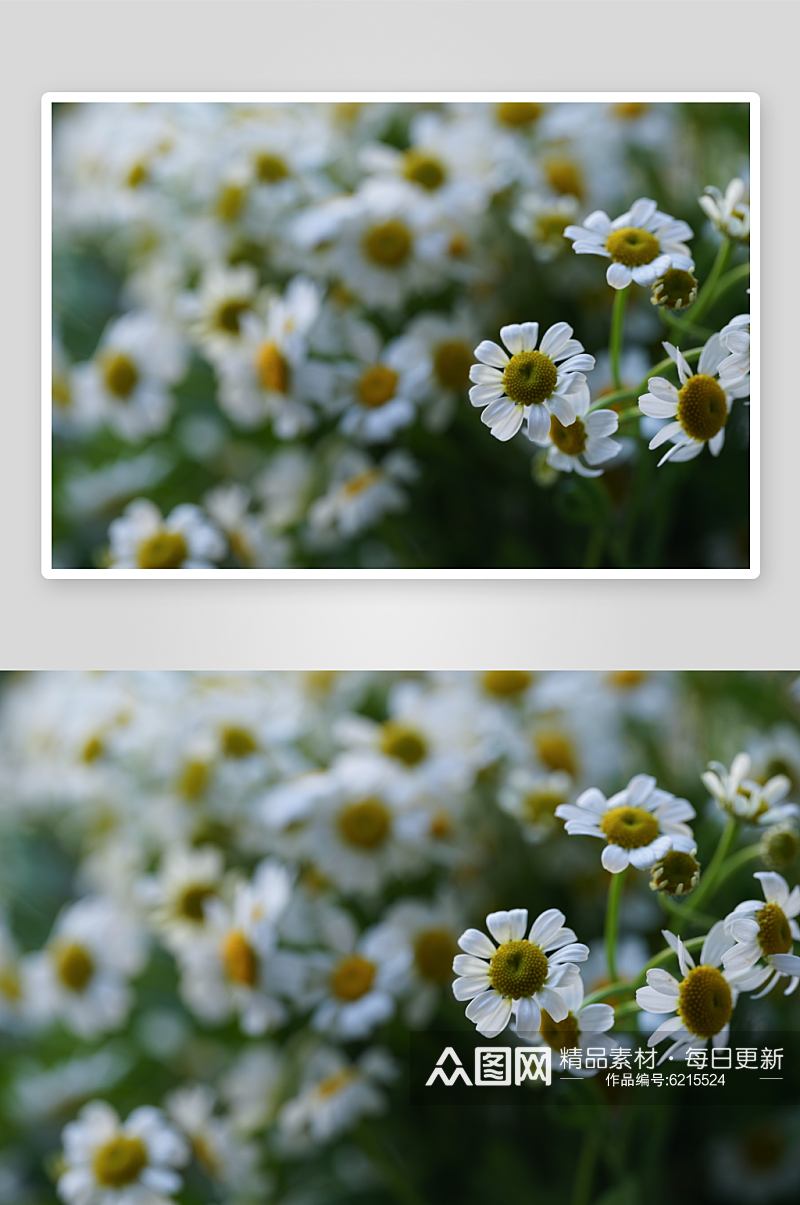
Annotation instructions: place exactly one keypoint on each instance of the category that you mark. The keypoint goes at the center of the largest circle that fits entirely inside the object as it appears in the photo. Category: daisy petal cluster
(520, 976)
(737, 794)
(728, 211)
(640, 823)
(642, 244)
(528, 383)
(765, 934)
(699, 409)
(702, 1001)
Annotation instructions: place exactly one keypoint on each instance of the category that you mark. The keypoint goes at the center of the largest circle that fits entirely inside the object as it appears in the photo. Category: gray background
(445, 45)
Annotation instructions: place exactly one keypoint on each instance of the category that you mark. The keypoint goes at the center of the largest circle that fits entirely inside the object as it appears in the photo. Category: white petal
(715, 945)
(538, 423)
(618, 276)
(508, 926)
(545, 925)
(470, 986)
(468, 964)
(482, 374)
(477, 943)
(489, 353)
(514, 338)
(482, 395)
(529, 1018)
(560, 407)
(551, 999)
(775, 887)
(653, 1001)
(614, 858)
(667, 432)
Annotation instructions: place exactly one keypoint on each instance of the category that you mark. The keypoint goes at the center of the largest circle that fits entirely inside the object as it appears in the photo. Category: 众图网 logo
(493, 1065)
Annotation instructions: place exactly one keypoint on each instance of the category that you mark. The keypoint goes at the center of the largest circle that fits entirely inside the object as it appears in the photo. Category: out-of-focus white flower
(642, 243)
(531, 384)
(142, 539)
(766, 931)
(739, 795)
(46, 1093)
(736, 338)
(252, 1088)
(756, 1164)
(235, 967)
(700, 408)
(423, 936)
(13, 996)
(248, 534)
(640, 823)
(729, 212)
(533, 798)
(126, 384)
(378, 392)
(177, 895)
(542, 221)
(585, 1026)
(585, 443)
(81, 976)
(129, 1162)
(336, 1094)
(214, 312)
(222, 1155)
(361, 492)
(520, 976)
(443, 343)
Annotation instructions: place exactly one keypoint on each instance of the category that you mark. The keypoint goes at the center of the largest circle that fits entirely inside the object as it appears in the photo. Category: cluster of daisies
(259, 307)
(261, 882)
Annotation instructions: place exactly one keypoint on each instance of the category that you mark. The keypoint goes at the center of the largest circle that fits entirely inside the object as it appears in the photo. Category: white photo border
(51, 98)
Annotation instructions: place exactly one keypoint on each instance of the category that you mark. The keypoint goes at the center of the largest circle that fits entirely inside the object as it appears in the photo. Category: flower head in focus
(765, 934)
(642, 244)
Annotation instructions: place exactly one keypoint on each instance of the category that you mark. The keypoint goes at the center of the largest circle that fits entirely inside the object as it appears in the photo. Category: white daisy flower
(221, 1154)
(142, 539)
(177, 895)
(766, 931)
(236, 968)
(640, 823)
(335, 1095)
(252, 1087)
(739, 795)
(532, 798)
(361, 492)
(81, 976)
(380, 390)
(14, 1005)
(642, 244)
(249, 538)
(520, 976)
(703, 1001)
(125, 1163)
(585, 1025)
(542, 221)
(729, 213)
(584, 443)
(700, 408)
(736, 338)
(214, 312)
(529, 383)
(443, 342)
(126, 383)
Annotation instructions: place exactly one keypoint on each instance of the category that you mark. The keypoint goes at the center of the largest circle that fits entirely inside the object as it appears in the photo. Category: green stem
(669, 905)
(708, 879)
(615, 338)
(708, 292)
(612, 921)
(741, 858)
(733, 277)
(584, 1173)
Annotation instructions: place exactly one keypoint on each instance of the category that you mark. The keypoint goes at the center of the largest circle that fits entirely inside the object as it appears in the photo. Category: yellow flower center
(238, 742)
(389, 243)
(705, 1002)
(518, 113)
(239, 959)
(774, 934)
(629, 827)
(352, 977)
(93, 749)
(559, 1035)
(207, 1157)
(702, 409)
(164, 550)
(119, 1161)
(10, 985)
(564, 176)
(228, 315)
(632, 246)
(335, 1083)
(556, 751)
(451, 364)
(272, 369)
(433, 955)
(190, 903)
(627, 679)
(550, 227)
(366, 824)
(540, 806)
(377, 386)
(675, 290)
(677, 873)
(74, 965)
(230, 202)
(505, 683)
(62, 394)
(519, 968)
(270, 169)
(120, 374)
(362, 481)
(570, 440)
(424, 169)
(403, 743)
(630, 110)
(136, 176)
(194, 778)
(529, 378)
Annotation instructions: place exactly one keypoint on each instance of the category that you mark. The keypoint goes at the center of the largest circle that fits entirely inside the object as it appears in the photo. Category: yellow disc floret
(632, 246)
(559, 1035)
(272, 369)
(424, 169)
(239, 959)
(451, 364)
(164, 550)
(389, 243)
(530, 377)
(352, 977)
(404, 744)
(571, 440)
(702, 408)
(505, 683)
(519, 968)
(629, 827)
(377, 386)
(120, 374)
(433, 955)
(119, 1161)
(705, 1002)
(366, 824)
(74, 965)
(774, 933)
